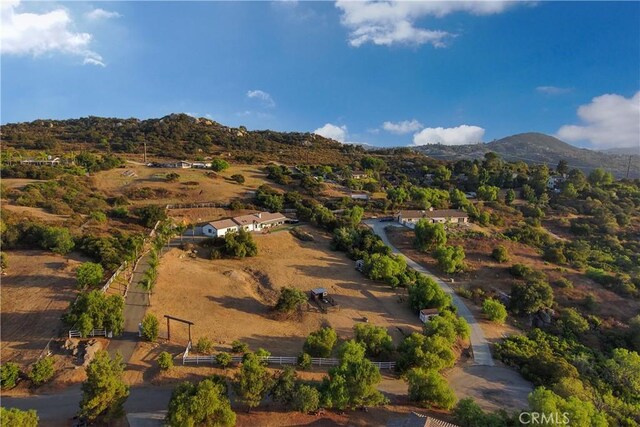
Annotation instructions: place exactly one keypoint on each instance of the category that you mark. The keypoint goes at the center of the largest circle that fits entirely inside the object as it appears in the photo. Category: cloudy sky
(383, 73)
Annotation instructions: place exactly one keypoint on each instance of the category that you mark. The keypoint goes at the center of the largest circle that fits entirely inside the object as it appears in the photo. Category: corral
(232, 299)
(36, 291)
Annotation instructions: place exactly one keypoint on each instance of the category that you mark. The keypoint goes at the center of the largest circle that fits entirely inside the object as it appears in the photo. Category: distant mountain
(536, 148)
(623, 150)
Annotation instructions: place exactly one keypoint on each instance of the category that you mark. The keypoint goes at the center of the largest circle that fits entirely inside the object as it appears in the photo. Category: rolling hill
(536, 148)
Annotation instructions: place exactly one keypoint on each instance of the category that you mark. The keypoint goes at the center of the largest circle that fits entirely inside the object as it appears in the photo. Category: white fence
(275, 360)
(114, 276)
(197, 205)
(74, 333)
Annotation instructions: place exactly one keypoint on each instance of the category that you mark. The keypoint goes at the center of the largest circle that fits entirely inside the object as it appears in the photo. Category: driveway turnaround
(479, 345)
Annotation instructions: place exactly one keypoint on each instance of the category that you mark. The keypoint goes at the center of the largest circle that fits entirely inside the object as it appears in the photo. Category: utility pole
(145, 152)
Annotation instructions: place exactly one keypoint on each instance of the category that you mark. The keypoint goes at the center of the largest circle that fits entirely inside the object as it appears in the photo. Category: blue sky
(385, 73)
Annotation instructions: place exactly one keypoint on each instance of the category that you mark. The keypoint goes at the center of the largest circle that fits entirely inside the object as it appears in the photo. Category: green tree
(510, 196)
(57, 239)
(500, 254)
(204, 345)
(494, 310)
(623, 373)
(418, 350)
(239, 178)
(376, 339)
(599, 177)
(150, 215)
(397, 196)
(89, 274)
(219, 165)
(223, 360)
(384, 267)
(531, 297)
(42, 371)
(488, 193)
(429, 235)
(150, 326)
(577, 412)
(450, 258)
(165, 361)
(16, 418)
(9, 373)
(572, 322)
(205, 404)
(96, 310)
(239, 347)
(4, 261)
(306, 398)
(252, 381)
(284, 389)
(563, 167)
(304, 361)
(240, 245)
(320, 343)
(104, 392)
(290, 299)
(426, 293)
(352, 216)
(449, 326)
(430, 389)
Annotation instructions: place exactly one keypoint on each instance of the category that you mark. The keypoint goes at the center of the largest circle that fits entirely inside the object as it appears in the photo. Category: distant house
(411, 217)
(49, 161)
(360, 196)
(426, 314)
(418, 420)
(359, 175)
(201, 165)
(555, 181)
(251, 222)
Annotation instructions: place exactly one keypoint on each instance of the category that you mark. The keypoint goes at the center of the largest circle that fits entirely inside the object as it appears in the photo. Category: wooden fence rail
(74, 333)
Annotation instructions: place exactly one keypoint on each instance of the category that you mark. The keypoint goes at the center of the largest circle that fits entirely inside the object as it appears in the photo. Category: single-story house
(219, 228)
(426, 314)
(359, 175)
(360, 196)
(251, 222)
(49, 161)
(411, 217)
(201, 165)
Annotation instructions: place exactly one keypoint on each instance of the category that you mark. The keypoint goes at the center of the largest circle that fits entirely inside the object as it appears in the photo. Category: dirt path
(479, 344)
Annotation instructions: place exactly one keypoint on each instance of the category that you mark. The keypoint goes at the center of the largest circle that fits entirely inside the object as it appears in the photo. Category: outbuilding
(426, 314)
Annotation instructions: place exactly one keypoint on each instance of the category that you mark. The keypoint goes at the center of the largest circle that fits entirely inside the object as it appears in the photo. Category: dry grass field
(36, 291)
(232, 299)
(194, 185)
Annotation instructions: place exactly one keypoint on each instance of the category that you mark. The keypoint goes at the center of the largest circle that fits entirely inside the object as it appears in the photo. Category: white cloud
(405, 126)
(35, 34)
(553, 90)
(263, 96)
(96, 14)
(460, 135)
(339, 133)
(610, 120)
(394, 22)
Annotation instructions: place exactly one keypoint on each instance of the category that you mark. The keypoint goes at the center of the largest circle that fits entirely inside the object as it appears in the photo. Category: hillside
(538, 148)
(176, 136)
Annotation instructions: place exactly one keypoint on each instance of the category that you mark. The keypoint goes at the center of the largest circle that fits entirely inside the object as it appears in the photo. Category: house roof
(418, 420)
(269, 217)
(246, 219)
(436, 213)
(428, 311)
(223, 223)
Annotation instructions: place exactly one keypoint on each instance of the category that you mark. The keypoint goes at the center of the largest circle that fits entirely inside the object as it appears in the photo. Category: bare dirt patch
(34, 212)
(36, 291)
(232, 299)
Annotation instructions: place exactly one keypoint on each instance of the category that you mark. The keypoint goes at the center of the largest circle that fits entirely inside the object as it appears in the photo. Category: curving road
(479, 344)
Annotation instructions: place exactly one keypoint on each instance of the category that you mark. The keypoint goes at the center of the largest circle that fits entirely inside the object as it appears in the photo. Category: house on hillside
(410, 218)
(359, 175)
(251, 222)
(426, 314)
(49, 161)
(201, 165)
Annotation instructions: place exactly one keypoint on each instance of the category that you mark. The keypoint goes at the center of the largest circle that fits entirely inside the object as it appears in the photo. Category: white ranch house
(251, 222)
(410, 218)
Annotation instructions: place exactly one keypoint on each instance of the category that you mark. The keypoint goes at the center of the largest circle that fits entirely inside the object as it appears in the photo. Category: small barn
(426, 314)
(319, 293)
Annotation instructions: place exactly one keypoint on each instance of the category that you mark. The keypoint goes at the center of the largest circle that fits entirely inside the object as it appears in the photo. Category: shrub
(304, 361)
(42, 371)
(500, 254)
(238, 178)
(290, 299)
(98, 216)
(165, 361)
(89, 274)
(15, 417)
(306, 398)
(204, 345)
(494, 310)
(223, 359)
(564, 283)
(450, 258)
(239, 245)
(119, 212)
(150, 326)
(9, 373)
(376, 339)
(430, 389)
(218, 165)
(531, 297)
(320, 343)
(151, 214)
(172, 177)
(239, 347)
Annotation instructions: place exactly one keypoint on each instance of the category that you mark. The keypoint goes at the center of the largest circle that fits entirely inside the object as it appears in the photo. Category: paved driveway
(479, 344)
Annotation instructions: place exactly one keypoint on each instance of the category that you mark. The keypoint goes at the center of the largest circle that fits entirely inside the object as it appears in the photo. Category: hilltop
(536, 148)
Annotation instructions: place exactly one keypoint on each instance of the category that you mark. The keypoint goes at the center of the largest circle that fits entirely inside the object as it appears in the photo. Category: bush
(151, 214)
(9, 373)
(42, 371)
(89, 274)
(304, 361)
(218, 165)
(564, 283)
(239, 245)
(320, 343)
(239, 347)
(494, 310)
(306, 399)
(165, 361)
(238, 178)
(531, 297)
(172, 177)
(223, 359)
(500, 254)
(204, 345)
(450, 258)
(16, 418)
(430, 389)
(376, 339)
(290, 299)
(150, 326)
